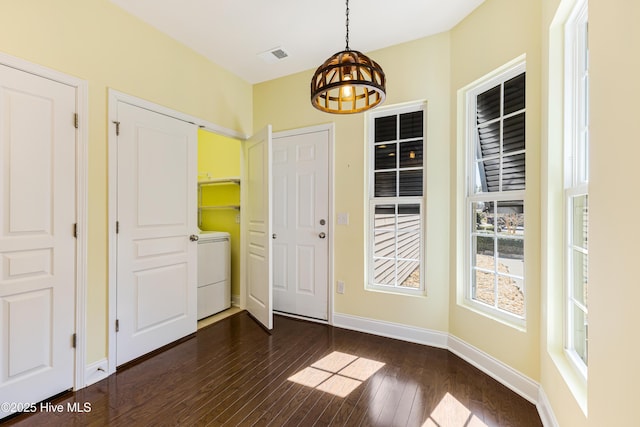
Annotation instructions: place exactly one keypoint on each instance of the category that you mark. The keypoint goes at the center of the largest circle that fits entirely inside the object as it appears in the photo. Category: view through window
(397, 199)
(495, 196)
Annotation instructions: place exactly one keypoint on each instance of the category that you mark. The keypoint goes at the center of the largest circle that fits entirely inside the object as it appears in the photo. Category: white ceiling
(232, 33)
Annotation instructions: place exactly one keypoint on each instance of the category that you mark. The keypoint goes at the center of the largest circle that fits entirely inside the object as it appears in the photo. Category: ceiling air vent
(273, 55)
(279, 53)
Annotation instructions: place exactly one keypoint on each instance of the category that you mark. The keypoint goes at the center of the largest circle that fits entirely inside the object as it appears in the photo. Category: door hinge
(75, 230)
(75, 120)
(117, 227)
(117, 127)
(74, 340)
(117, 325)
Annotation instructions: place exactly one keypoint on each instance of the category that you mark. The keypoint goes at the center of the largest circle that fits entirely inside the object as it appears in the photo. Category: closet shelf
(218, 207)
(218, 181)
(231, 180)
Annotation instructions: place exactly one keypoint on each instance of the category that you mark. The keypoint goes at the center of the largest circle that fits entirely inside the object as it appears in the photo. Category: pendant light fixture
(348, 82)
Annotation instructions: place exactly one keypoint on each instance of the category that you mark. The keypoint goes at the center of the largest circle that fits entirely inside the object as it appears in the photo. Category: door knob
(322, 235)
(274, 236)
(194, 237)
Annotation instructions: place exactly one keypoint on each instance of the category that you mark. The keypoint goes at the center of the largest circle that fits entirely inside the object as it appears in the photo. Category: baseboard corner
(509, 377)
(96, 371)
(545, 411)
(501, 372)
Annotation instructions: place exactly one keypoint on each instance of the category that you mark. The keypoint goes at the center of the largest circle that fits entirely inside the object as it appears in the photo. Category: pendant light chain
(347, 25)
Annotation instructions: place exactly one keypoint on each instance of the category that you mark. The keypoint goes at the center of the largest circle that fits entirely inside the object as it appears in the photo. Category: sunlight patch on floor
(450, 412)
(338, 373)
(310, 377)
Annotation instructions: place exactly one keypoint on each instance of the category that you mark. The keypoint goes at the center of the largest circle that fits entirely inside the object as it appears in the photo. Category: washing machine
(214, 272)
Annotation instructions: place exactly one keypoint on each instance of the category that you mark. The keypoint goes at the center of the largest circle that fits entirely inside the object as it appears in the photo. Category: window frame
(576, 168)
(499, 77)
(372, 200)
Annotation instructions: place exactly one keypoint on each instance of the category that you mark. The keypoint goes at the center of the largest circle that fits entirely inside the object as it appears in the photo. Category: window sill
(396, 291)
(495, 315)
(576, 382)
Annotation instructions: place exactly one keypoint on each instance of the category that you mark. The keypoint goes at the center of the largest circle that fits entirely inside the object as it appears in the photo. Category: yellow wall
(614, 232)
(496, 33)
(219, 157)
(415, 71)
(610, 395)
(565, 389)
(96, 41)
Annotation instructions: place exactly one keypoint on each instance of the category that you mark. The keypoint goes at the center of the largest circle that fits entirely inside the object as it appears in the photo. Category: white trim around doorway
(330, 128)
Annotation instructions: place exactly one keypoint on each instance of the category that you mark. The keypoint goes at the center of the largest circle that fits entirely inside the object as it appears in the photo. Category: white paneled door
(301, 223)
(37, 244)
(256, 213)
(156, 231)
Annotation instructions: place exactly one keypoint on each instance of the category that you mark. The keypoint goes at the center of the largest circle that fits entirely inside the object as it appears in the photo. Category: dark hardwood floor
(235, 373)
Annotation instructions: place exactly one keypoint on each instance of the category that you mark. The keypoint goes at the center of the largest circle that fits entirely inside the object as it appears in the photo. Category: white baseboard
(96, 371)
(391, 330)
(499, 371)
(514, 380)
(544, 409)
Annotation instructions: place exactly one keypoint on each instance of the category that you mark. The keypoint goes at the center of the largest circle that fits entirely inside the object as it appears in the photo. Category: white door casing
(156, 214)
(301, 220)
(256, 217)
(38, 192)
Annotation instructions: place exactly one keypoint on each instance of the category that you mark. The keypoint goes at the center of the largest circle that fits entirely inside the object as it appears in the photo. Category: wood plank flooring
(234, 373)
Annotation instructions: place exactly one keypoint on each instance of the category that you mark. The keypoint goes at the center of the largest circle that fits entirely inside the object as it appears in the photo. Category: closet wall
(219, 158)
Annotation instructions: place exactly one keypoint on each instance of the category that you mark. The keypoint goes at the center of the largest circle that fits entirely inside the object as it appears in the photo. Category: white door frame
(82, 138)
(330, 128)
(115, 97)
